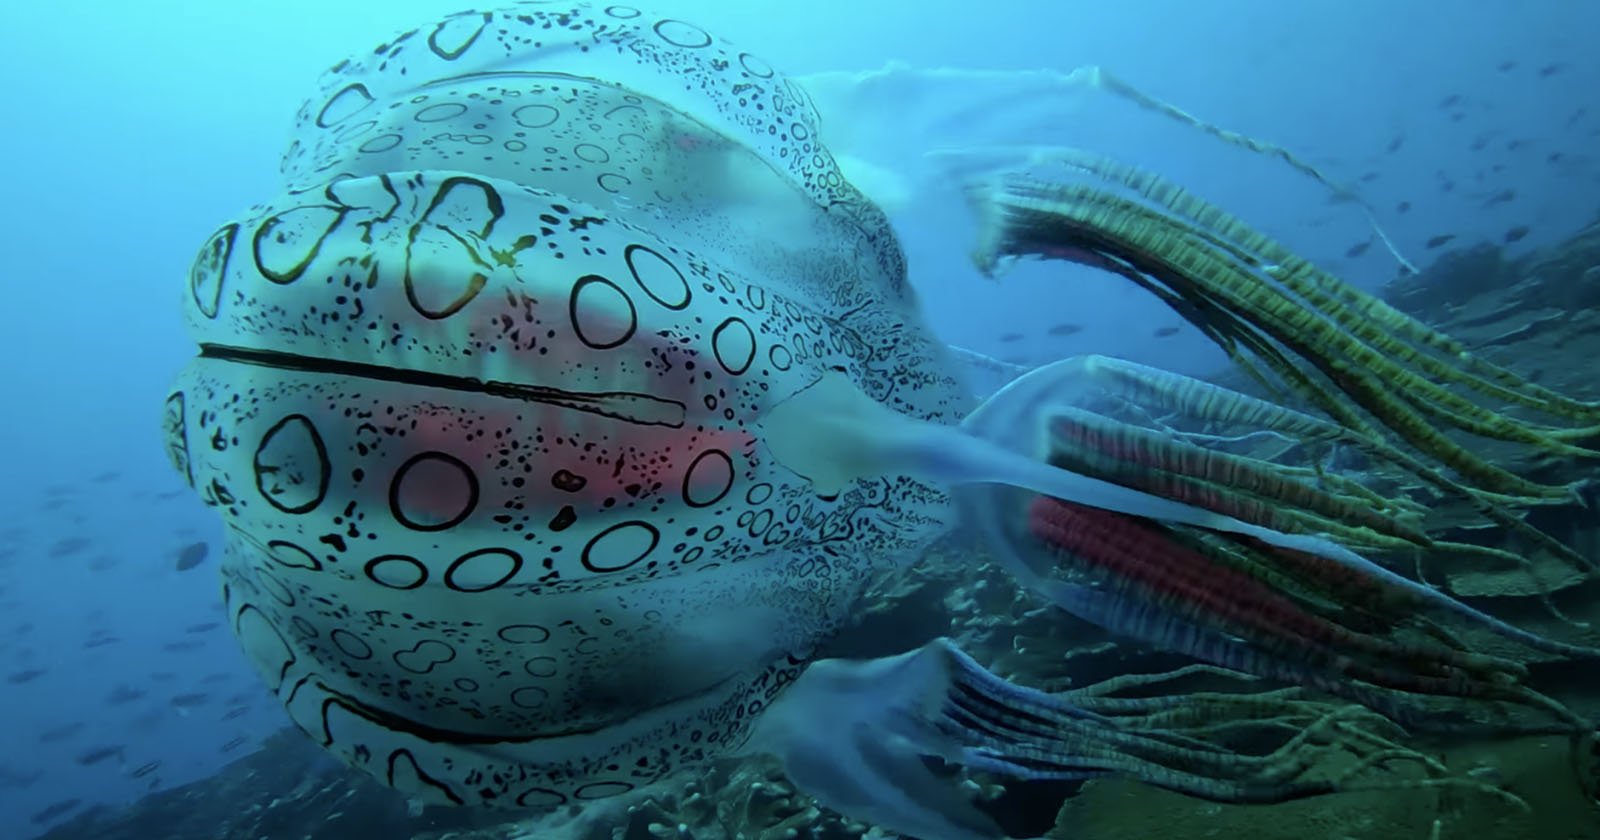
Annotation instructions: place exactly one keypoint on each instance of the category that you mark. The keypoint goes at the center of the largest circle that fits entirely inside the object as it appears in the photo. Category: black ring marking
(372, 565)
(303, 559)
(680, 295)
(699, 463)
(450, 573)
(632, 526)
(725, 345)
(316, 445)
(350, 644)
(577, 326)
(396, 507)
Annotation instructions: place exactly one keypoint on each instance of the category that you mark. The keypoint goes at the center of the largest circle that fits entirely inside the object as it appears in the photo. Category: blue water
(132, 130)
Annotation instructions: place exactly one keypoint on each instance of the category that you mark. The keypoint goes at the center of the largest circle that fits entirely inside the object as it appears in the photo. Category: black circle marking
(440, 112)
(542, 666)
(396, 571)
(350, 644)
(281, 478)
(710, 469)
(430, 479)
(734, 344)
(574, 312)
(652, 275)
(612, 182)
(210, 268)
(617, 538)
(297, 557)
(601, 790)
(590, 153)
(352, 99)
(535, 116)
(755, 66)
(523, 634)
(381, 143)
(276, 588)
(515, 565)
(780, 357)
(541, 797)
(680, 34)
(529, 697)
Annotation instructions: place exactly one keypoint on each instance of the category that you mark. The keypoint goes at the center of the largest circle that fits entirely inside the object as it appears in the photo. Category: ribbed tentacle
(1204, 402)
(1018, 732)
(1365, 365)
(1121, 551)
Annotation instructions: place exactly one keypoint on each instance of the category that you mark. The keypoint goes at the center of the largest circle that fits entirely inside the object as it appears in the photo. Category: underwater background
(132, 129)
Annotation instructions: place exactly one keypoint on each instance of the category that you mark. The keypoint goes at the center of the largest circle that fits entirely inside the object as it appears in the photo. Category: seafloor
(1538, 313)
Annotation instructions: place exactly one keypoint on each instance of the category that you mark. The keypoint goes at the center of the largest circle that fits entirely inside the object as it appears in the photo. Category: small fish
(1501, 197)
(101, 641)
(1506, 66)
(236, 711)
(1451, 100)
(1065, 329)
(1402, 207)
(1010, 337)
(55, 811)
(234, 744)
(1515, 234)
(26, 675)
(145, 769)
(1358, 249)
(1167, 332)
(124, 694)
(1440, 240)
(202, 627)
(68, 546)
(183, 646)
(189, 701)
(107, 476)
(192, 555)
(1513, 145)
(1549, 70)
(17, 779)
(99, 754)
(60, 733)
(1479, 143)
(1554, 157)
(1395, 144)
(1368, 177)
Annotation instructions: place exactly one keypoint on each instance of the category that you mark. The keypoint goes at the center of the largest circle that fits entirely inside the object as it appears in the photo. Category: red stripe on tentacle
(1134, 553)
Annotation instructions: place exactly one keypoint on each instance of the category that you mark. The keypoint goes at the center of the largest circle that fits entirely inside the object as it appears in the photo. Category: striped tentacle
(1246, 488)
(1363, 316)
(1019, 732)
(1182, 581)
(1208, 402)
(1191, 264)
